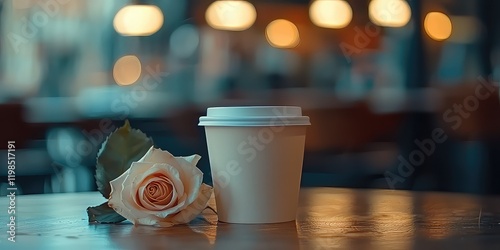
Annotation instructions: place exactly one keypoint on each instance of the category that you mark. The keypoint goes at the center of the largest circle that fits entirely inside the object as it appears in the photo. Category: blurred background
(401, 94)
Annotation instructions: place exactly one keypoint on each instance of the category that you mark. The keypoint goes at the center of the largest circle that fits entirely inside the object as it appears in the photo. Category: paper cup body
(256, 164)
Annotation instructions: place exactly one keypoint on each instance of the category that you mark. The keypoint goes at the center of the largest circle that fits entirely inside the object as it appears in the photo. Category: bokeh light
(282, 33)
(333, 14)
(138, 20)
(231, 15)
(438, 26)
(389, 13)
(127, 70)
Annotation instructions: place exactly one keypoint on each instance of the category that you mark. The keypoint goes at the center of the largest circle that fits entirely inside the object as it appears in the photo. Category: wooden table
(328, 218)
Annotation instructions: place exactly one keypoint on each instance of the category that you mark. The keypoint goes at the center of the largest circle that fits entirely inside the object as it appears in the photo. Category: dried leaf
(122, 147)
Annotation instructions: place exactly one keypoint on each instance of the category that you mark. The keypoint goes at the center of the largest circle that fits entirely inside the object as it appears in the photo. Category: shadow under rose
(257, 236)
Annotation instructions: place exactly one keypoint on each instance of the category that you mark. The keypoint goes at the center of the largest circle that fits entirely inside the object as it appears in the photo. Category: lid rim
(254, 111)
(254, 116)
(250, 125)
(267, 121)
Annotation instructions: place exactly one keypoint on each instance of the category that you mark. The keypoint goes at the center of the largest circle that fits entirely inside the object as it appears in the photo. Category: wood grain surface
(328, 218)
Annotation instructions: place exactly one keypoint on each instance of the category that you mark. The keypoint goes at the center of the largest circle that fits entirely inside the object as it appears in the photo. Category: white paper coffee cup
(256, 155)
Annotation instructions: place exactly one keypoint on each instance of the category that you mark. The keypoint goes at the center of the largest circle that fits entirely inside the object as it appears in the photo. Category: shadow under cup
(256, 155)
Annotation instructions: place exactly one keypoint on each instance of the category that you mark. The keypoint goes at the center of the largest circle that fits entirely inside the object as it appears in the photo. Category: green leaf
(122, 147)
(103, 214)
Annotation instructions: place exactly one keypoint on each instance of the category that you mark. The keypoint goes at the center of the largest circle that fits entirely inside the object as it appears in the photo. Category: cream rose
(160, 190)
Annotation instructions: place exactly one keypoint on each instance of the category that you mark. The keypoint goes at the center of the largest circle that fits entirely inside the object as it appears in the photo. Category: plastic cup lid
(254, 116)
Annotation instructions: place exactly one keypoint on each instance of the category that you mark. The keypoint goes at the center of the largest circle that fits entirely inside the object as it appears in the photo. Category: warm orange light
(334, 14)
(282, 33)
(138, 20)
(438, 26)
(389, 13)
(231, 15)
(127, 70)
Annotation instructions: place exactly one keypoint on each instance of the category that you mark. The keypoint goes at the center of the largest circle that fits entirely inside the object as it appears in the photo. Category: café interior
(400, 94)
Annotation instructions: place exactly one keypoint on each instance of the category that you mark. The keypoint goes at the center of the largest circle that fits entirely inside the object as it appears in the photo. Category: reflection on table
(328, 218)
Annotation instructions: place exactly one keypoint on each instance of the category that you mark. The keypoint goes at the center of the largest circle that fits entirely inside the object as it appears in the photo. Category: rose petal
(171, 172)
(157, 156)
(118, 202)
(161, 169)
(191, 176)
(175, 176)
(193, 210)
(164, 224)
(193, 159)
(167, 197)
(116, 191)
(149, 220)
(181, 204)
(136, 171)
(160, 190)
(156, 190)
(136, 174)
(184, 164)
